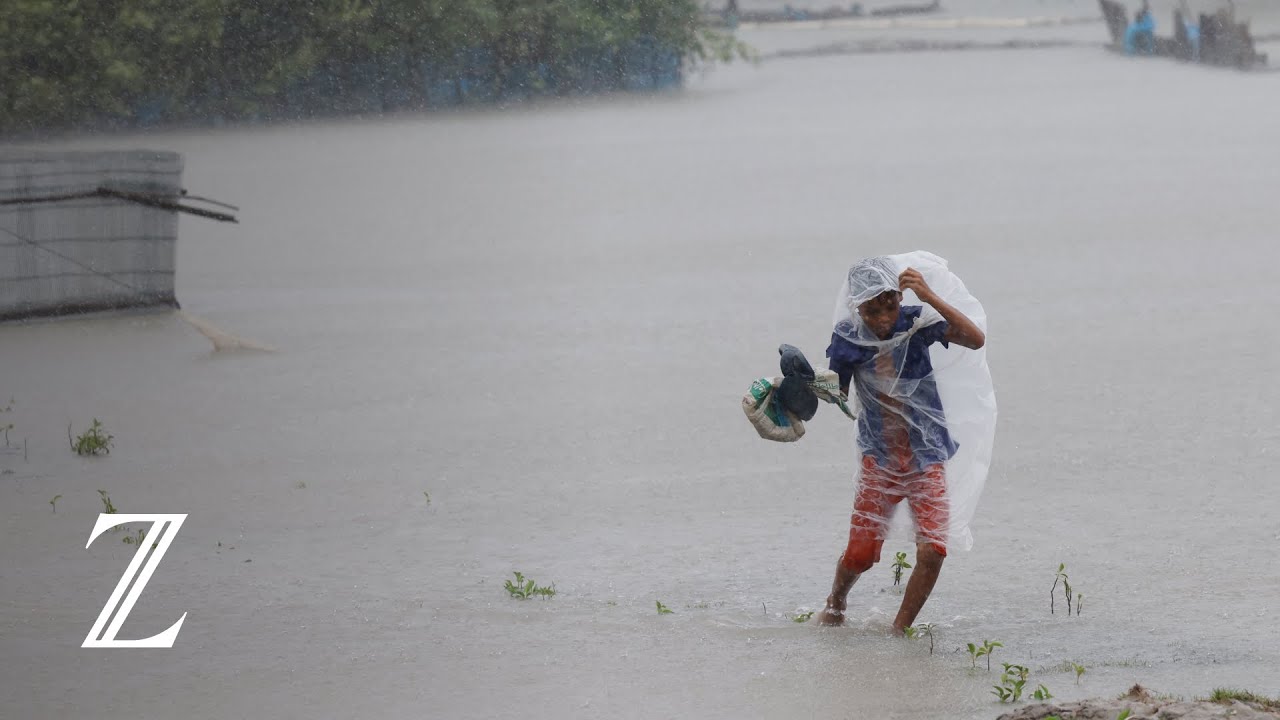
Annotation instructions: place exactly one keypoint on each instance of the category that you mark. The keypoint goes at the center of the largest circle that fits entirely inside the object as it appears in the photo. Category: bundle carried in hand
(778, 407)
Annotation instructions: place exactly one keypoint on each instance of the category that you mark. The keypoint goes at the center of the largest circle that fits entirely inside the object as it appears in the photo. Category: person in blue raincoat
(1140, 36)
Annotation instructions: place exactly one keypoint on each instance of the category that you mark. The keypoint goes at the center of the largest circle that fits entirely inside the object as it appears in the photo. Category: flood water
(544, 317)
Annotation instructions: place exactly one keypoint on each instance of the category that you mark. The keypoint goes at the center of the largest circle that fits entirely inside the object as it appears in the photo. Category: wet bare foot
(831, 616)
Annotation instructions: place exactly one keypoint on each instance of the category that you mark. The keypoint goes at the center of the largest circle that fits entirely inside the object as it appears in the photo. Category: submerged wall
(87, 254)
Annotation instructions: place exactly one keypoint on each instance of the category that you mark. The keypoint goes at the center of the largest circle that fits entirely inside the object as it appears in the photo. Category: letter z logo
(159, 523)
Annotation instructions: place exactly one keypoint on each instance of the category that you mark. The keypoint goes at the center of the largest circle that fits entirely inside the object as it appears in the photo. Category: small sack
(766, 413)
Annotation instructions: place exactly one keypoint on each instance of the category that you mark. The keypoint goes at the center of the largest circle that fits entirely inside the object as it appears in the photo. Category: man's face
(880, 313)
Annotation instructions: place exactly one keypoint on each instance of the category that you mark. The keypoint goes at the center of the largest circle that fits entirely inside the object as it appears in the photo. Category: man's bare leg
(923, 578)
(833, 613)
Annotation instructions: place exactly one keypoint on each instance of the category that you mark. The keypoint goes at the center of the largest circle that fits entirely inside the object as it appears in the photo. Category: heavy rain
(395, 300)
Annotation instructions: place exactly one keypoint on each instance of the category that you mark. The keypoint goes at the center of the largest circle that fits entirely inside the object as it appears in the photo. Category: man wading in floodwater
(902, 430)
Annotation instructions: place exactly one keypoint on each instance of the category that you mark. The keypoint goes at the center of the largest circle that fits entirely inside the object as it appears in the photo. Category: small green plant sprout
(6, 427)
(107, 507)
(92, 442)
(135, 539)
(899, 564)
(975, 652)
(923, 630)
(1079, 603)
(1041, 693)
(427, 495)
(1012, 680)
(1060, 577)
(1077, 669)
(663, 609)
(1124, 714)
(802, 617)
(54, 503)
(986, 650)
(524, 588)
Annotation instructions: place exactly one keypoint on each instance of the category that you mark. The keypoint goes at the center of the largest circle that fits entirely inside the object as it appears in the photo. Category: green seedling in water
(921, 631)
(663, 609)
(7, 426)
(899, 564)
(1012, 680)
(54, 503)
(987, 648)
(1042, 693)
(1124, 714)
(107, 507)
(135, 539)
(1079, 603)
(524, 589)
(802, 617)
(1077, 669)
(92, 442)
(1060, 577)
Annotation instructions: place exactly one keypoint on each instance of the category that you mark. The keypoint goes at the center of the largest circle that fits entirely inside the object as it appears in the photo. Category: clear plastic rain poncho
(925, 437)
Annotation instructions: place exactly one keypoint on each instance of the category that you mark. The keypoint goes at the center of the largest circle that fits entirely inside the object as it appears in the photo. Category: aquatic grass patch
(1226, 696)
(93, 441)
(663, 609)
(524, 588)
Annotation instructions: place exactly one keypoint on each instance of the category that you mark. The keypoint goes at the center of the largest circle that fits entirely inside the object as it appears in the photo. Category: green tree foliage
(65, 63)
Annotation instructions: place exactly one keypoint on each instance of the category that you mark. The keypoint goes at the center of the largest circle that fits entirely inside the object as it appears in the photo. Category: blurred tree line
(67, 63)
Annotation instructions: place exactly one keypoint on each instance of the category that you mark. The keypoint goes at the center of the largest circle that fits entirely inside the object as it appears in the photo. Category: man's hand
(911, 279)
